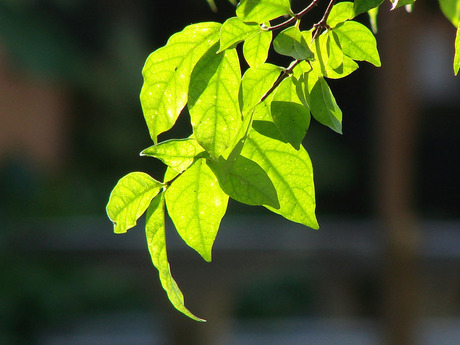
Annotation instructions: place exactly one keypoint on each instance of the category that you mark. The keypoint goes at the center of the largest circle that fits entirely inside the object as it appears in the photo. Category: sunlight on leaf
(291, 172)
(255, 48)
(178, 154)
(156, 242)
(213, 101)
(196, 204)
(130, 198)
(261, 11)
(167, 74)
(234, 31)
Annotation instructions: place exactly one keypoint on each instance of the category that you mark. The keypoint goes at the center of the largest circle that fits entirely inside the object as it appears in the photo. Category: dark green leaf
(361, 6)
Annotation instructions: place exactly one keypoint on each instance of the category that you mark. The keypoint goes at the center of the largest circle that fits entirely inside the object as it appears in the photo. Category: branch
(278, 81)
(322, 24)
(294, 18)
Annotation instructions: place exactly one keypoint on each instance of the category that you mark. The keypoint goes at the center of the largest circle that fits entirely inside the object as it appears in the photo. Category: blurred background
(384, 268)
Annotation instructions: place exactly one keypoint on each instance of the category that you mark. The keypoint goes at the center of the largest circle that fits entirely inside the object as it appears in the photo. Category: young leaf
(178, 154)
(290, 42)
(234, 31)
(130, 198)
(457, 52)
(246, 182)
(358, 42)
(323, 106)
(255, 48)
(361, 6)
(196, 204)
(340, 13)
(255, 83)
(262, 11)
(213, 100)
(290, 116)
(167, 74)
(291, 172)
(156, 242)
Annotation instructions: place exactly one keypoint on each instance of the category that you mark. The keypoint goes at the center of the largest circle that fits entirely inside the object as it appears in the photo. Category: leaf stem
(294, 18)
(322, 24)
(278, 81)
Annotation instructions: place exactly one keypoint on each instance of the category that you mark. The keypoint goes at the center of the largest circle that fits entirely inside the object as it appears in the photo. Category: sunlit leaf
(179, 154)
(290, 42)
(321, 47)
(256, 82)
(234, 31)
(255, 48)
(261, 11)
(213, 100)
(358, 42)
(291, 172)
(196, 204)
(167, 74)
(457, 52)
(156, 242)
(340, 13)
(130, 198)
(246, 182)
(373, 19)
(289, 114)
(451, 9)
(323, 106)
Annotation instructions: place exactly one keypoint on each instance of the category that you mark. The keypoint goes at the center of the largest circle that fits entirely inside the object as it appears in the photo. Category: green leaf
(323, 106)
(167, 75)
(261, 11)
(290, 42)
(451, 9)
(213, 100)
(255, 83)
(255, 48)
(373, 18)
(340, 13)
(156, 242)
(334, 51)
(323, 63)
(178, 154)
(361, 6)
(291, 172)
(457, 52)
(196, 204)
(234, 31)
(290, 116)
(246, 182)
(130, 198)
(358, 42)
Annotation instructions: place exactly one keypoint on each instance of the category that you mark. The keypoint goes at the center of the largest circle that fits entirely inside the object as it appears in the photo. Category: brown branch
(293, 19)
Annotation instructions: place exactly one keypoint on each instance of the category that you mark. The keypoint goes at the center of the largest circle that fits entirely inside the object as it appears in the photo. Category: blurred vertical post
(396, 129)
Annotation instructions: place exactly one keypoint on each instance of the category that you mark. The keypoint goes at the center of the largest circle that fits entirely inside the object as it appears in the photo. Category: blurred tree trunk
(396, 129)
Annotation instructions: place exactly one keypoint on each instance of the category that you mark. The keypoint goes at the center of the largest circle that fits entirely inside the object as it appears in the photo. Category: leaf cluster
(248, 126)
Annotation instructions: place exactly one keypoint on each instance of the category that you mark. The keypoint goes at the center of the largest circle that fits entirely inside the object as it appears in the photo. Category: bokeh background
(383, 268)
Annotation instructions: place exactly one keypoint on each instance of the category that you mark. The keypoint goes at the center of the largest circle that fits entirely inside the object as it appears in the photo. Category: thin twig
(294, 18)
